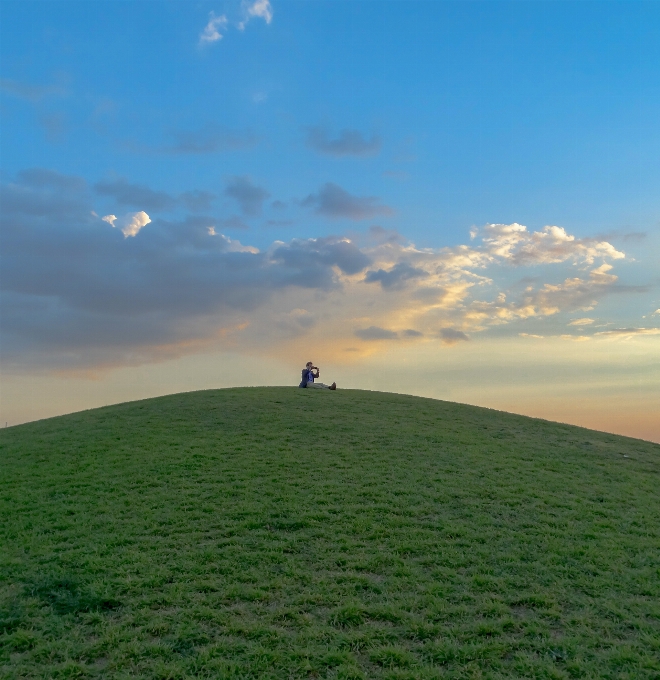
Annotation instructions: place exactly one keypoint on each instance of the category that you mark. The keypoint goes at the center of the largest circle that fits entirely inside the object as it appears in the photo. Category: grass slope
(286, 533)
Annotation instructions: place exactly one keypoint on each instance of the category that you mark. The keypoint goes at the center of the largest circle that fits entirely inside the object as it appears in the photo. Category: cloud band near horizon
(77, 293)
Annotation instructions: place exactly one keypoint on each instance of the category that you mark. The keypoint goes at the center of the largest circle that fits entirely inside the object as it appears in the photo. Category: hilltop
(286, 533)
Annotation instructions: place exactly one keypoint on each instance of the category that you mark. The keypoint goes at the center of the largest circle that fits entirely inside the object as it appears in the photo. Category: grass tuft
(67, 595)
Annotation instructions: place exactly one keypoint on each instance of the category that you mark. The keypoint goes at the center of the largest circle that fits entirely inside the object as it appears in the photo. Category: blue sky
(185, 181)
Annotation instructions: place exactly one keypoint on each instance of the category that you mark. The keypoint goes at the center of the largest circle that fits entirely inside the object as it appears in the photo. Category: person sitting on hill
(308, 377)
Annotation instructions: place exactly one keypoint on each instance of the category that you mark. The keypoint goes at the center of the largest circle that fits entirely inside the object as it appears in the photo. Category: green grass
(286, 533)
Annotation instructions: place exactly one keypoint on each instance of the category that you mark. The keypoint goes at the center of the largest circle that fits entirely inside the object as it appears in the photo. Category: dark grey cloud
(382, 235)
(396, 277)
(249, 196)
(310, 261)
(75, 292)
(135, 195)
(335, 202)
(197, 201)
(348, 143)
(635, 236)
(451, 336)
(42, 194)
(621, 236)
(43, 178)
(375, 333)
(412, 333)
(142, 197)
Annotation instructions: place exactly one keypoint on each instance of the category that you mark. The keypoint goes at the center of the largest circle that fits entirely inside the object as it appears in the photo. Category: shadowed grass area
(287, 533)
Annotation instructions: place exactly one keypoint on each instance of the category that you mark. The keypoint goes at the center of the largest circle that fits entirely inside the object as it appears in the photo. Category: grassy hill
(286, 533)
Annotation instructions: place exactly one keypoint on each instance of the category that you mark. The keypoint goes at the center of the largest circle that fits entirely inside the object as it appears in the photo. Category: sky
(458, 200)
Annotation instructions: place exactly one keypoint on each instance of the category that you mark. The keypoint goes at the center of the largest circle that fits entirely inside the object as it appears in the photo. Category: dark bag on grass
(305, 377)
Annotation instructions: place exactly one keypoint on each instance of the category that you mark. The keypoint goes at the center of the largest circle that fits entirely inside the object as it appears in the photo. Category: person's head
(309, 364)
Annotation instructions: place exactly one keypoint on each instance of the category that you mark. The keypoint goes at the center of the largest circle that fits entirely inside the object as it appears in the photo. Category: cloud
(259, 8)
(581, 322)
(348, 143)
(135, 195)
(44, 195)
(211, 138)
(75, 293)
(217, 26)
(623, 235)
(42, 178)
(630, 332)
(635, 236)
(450, 336)
(249, 196)
(512, 242)
(334, 202)
(382, 235)
(197, 201)
(211, 32)
(329, 252)
(570, 295)
(126, 193)
(396, 277)
(297, 321)
(233, 245)
(657, 311)
(31, 93)
(375, 333)
(130, 224)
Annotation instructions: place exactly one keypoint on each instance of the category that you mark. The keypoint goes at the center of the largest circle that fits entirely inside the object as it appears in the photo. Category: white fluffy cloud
(513, 243)
(259, 8)
(217, 26)
(211, 32)
(457, 287)
(130, 224)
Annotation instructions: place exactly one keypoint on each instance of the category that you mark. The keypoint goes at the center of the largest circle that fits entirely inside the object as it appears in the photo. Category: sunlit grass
(287, 533)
